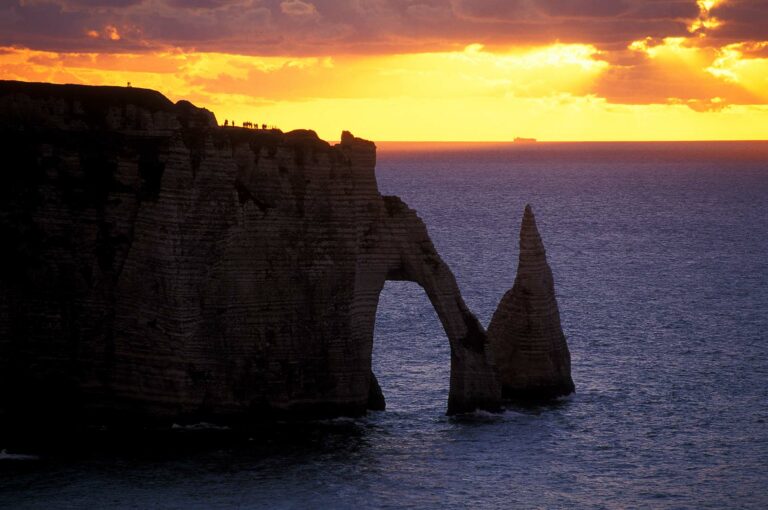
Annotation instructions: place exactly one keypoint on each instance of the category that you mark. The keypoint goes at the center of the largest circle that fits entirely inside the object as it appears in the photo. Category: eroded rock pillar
(525, 335)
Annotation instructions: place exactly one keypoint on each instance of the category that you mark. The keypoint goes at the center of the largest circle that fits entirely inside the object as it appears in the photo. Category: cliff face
(156, 266)
(525, 336)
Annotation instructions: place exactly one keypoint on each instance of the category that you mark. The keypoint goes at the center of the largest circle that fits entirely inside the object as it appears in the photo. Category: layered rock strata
(155, 266)
(525, 335)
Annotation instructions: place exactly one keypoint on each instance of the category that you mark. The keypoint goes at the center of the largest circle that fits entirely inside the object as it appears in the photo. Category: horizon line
(544, 142)
(581, 141)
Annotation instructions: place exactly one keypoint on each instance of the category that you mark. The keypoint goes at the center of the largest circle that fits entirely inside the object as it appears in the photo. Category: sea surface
(660, 258)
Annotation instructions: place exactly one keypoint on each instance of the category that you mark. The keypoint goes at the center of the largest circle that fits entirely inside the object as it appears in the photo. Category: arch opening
(411, 352)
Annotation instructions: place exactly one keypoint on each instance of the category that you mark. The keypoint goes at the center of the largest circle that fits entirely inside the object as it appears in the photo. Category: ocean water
(660, 258)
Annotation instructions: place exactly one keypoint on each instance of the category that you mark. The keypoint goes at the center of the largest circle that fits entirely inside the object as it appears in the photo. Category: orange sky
(487, 70)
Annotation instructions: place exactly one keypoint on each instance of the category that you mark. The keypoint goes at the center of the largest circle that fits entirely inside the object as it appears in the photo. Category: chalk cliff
(525, 337)
(156, 266)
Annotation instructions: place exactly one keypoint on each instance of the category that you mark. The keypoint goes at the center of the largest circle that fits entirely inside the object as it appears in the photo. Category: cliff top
(90, 95)
(31, 105)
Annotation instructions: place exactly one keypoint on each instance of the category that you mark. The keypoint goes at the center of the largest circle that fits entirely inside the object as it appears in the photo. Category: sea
(660, 258)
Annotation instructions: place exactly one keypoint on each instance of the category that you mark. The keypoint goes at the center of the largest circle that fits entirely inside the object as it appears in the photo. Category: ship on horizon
(524, 140)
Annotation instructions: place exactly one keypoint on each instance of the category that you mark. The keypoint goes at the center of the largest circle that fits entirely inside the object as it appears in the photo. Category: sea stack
(525, 336)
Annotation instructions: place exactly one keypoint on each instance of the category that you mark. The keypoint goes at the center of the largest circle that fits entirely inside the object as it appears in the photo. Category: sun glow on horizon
(551, 92)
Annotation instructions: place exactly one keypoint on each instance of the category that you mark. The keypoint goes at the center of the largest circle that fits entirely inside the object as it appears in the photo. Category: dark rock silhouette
(156, 267)
(525, 336)
(376, 400)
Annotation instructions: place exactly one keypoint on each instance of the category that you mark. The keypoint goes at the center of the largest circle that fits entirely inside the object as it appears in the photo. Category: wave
(4, 455)
(199, 426)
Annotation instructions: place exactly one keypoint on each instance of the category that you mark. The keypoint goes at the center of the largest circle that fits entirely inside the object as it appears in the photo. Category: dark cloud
(742, 11)
(321, 27)
(75, 4)
(202, 4)
(665, 10)
(584, 8)
(494, 10)
(742, 20)
(645, 82)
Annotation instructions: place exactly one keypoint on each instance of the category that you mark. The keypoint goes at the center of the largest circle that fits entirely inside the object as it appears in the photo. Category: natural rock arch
(401, 250)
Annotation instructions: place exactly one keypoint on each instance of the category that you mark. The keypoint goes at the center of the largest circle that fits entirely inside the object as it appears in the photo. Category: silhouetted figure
(263, 126)
(226, 122)
(129, 85)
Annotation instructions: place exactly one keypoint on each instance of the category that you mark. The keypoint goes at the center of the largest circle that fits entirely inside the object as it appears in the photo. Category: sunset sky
(460, 70)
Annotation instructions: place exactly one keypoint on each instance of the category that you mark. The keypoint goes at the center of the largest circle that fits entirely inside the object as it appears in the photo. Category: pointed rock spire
(525, 336)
